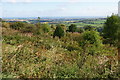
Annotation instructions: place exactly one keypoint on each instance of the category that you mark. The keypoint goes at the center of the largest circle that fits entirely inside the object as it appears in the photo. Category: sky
(57, 8)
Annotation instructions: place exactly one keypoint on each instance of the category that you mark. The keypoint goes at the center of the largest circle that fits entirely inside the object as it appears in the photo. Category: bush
(38, 29)
(41, 28)
(14, 39)
(72, 48)
(53, 26)
(91, 41)
(5, 24)
(45, 28)
(72, 28)
(92, 37)
(64, 27)
(80, 30)
(66, 71)
(58, 32)
(29, 28)
(17, 25)
(89, 28)
(0, 19)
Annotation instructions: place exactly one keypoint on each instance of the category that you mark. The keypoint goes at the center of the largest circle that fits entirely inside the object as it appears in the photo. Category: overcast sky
(35, 8)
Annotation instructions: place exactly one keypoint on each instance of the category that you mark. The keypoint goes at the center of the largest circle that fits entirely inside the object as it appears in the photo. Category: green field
(95, 23)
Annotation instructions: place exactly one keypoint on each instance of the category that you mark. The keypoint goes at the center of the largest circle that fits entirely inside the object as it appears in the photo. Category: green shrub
(58, 32)
(91, 41)
(66, 71)
(45, 28)
(92, 37)
(14, 39)
(53, 26)
(80, 30)
(42, 28)
(89, 28)
(72, 28)
(71, 48)
(17, 25)
(29, 28)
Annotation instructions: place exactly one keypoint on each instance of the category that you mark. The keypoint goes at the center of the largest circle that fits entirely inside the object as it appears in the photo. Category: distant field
(98, 22)
(95, 23)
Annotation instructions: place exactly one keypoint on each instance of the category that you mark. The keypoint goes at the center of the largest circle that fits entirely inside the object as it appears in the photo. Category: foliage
(41, 28)
(80, 30)
(38, 19)
(72, 28)
(17, 25)
(111, 28)
(5, 24)
(92, 40)
(89, 28)
(92, 37)
(58, 31)
(29, 28)
(0, 19)
(64, 27)
(45, 28)
(66, 71)
(53, 26)
(38, 29)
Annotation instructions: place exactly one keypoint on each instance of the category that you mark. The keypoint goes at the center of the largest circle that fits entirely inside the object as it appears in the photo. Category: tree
(119, 44)
(111, 31)
(72, 28)
(111, 27)
(58, 31)
(38, 19)
(89, 28)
